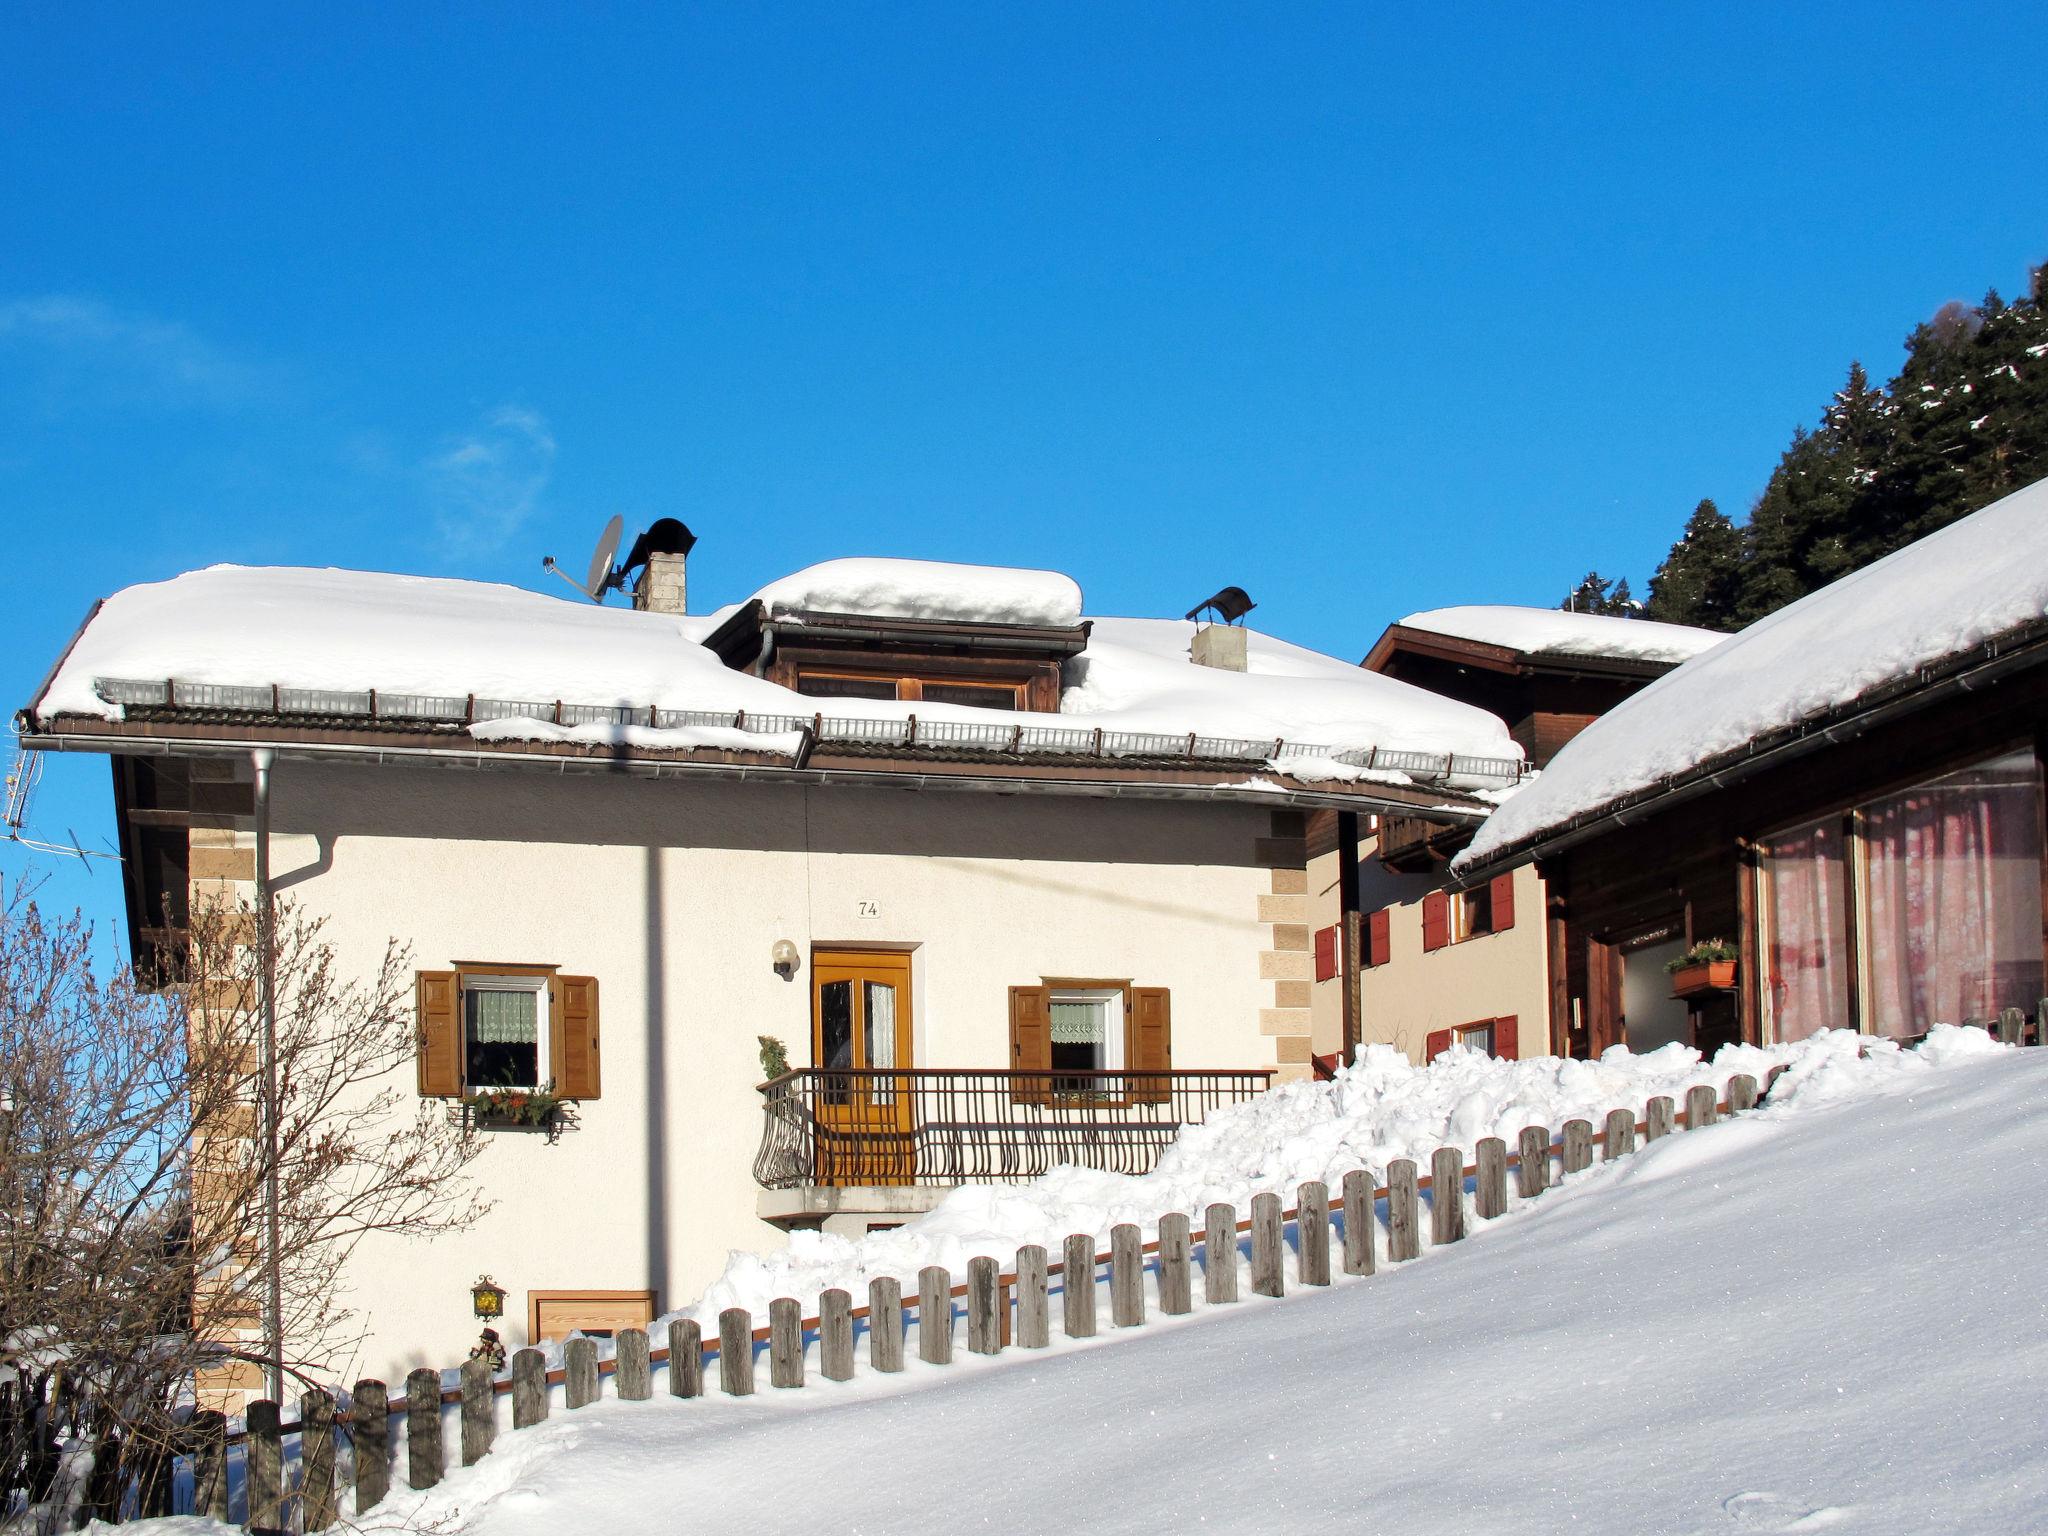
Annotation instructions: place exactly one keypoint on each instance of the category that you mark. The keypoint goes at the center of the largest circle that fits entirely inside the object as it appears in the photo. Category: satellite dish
(600, 574)
(601, 577)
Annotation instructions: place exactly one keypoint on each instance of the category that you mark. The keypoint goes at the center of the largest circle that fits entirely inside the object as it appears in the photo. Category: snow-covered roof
(1557, 632)
(929, 589)
(346, 632)
(1939, 598)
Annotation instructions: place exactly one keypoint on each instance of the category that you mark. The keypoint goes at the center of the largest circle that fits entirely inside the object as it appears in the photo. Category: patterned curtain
(504, 1018)
(1078, 1022)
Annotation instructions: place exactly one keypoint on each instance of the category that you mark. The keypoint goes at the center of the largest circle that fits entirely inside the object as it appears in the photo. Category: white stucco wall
(1491, 976)
(672, 895)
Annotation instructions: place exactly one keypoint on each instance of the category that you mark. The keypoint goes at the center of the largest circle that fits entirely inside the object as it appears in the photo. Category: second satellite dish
(599, 578)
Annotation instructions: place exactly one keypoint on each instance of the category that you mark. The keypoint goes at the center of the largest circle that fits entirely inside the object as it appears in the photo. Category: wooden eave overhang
(200, 733)
(2017, 650)
(1400, 639)
(740, 640)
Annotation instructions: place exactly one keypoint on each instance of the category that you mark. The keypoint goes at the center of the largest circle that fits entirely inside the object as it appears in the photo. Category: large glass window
(1953, 882)
(1806, 930)
(1087, 1036)
(502, 1022)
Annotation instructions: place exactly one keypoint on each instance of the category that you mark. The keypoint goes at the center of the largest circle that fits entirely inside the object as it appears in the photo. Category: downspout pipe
(262, 759)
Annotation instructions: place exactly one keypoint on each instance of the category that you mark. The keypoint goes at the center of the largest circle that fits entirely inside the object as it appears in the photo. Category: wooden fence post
(785, 1342)
(1077, 1285)
(264, 1465)
(479, 1411)
(736, 1352)
(316, 1459)
(210, 1461)
(1741, 1093)
(1269, 1275)
(1358, 1222)
(835, 1335)
(426, 1457)
(1621, 1134)
(885, 1323)
(1126, 1275)
(1578, 1146)
(529, 1388)
(685, 1358)
(984, 1327)
(370, 1421)
(935, 1315)
(1490, 1192)
(2012, 1025)
(1176, 1272)
(1219, 1254)
(2041, 1022)
(1657, 1118)
(1404, 1235)
(580, 1384)
(1446, 1195)
(1700, 1107)
(1034, 1298)
(1771, 1077)
(1532, 1162)
(633, 1366)
(1312, 1232)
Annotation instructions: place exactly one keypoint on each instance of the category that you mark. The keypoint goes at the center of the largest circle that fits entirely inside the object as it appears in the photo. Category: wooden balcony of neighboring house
(1411, 845)
(847, 1149)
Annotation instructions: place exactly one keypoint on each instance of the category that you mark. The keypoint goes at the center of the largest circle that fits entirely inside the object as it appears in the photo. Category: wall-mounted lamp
(784, 958)
(488, 1297)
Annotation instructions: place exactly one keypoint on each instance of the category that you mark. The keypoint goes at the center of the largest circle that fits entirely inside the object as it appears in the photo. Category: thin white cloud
(487, 483)
(82, 348)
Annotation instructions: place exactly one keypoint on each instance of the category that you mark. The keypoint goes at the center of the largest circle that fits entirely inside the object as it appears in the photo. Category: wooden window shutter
(1507, 1044)
(1503, 902)
(1151, 1044)
(1439, 1041)
(1379, 937)
(439, 998)
(1031, 1042)
(1436, 920)
(572, 1036)
(1326, 953)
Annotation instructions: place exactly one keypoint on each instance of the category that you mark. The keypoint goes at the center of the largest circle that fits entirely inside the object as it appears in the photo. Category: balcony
(839, 1128)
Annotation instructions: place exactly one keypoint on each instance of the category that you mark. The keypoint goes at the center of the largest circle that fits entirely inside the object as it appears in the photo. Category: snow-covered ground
(1823, 1316)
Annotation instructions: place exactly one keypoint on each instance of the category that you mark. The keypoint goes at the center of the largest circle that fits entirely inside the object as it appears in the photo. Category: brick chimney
(660, 588)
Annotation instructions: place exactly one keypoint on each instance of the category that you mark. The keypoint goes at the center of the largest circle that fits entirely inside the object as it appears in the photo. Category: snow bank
(1558, 632)
(1799, 1321)
(1942, 596)
(1380, 1108)
(929, 589)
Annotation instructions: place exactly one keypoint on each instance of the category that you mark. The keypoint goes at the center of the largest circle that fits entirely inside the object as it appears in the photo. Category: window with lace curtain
(504, 1031)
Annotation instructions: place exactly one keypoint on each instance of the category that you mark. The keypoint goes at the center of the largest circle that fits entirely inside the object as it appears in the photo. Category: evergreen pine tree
(1697, 582)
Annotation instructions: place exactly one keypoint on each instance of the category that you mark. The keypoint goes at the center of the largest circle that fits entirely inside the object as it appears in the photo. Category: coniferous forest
(1964, 423)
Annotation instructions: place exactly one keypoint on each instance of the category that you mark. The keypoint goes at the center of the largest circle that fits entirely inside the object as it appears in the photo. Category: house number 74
(867, 909)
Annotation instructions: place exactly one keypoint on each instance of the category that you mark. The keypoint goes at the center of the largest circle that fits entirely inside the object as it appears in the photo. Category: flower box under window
(1702, 978)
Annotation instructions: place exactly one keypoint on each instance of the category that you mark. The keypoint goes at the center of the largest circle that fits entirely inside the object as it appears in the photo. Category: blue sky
(1364, 309)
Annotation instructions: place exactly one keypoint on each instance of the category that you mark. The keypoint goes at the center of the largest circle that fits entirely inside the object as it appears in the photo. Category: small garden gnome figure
(490, 1349)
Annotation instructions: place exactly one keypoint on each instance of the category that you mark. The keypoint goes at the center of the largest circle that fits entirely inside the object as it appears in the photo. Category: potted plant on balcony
(515, 1109)
(1709, 966)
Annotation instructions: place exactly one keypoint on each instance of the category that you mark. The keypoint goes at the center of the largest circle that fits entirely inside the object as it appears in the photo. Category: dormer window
(819, 684)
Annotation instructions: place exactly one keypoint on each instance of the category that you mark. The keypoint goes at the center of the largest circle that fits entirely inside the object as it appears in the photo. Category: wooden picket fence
(1004, 1308)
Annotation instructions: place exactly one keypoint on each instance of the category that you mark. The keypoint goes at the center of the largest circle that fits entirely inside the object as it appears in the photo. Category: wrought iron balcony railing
(838, 1126)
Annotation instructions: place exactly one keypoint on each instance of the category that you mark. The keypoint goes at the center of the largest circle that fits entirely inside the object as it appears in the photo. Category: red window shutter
(1506, 1045)
(1379, 937)
(1436, 920)
(1326, 953)
(439, 998)
(572, 1039)
(1503, 902)
(1439, 1042)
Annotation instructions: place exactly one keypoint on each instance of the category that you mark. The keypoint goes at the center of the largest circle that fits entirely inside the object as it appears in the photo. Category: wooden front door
(860, 1026)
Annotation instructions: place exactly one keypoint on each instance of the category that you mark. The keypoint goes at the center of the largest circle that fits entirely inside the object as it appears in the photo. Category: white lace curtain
(504, 1018)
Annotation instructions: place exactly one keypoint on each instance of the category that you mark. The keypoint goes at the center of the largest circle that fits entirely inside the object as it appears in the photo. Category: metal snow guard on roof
(440, 709)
